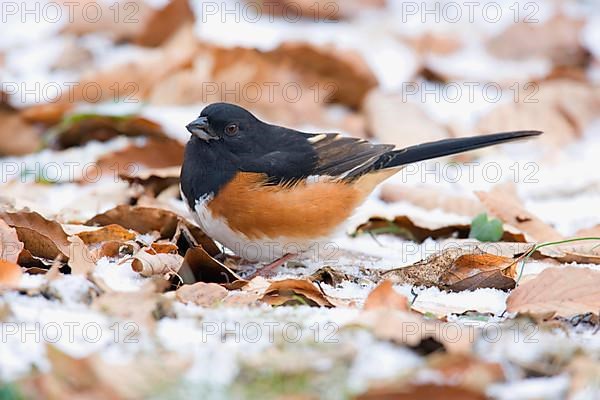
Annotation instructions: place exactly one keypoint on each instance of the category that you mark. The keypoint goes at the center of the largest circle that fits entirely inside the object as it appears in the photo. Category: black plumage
(228, 139)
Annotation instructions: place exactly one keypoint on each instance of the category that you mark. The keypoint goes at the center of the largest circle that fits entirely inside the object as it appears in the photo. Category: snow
(220, 342)
(551, 388)
(118, 275)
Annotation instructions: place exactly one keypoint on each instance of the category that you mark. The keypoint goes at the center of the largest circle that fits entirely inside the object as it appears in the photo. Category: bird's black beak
(199, 128)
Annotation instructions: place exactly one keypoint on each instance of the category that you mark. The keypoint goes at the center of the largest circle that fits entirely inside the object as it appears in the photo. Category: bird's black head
(224, 121)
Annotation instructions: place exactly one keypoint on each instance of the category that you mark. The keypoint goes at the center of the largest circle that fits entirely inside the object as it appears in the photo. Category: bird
(270, 193)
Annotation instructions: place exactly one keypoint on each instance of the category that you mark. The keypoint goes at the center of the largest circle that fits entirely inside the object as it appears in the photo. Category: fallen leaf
(320, 10)
(557, 39)
(199, 266)
(148, 219)
(564, 292)
(475, 271)
(112, 232)
(155, 153)
(434, 43)
(412, 228)
(562, 109)
(10, 245)
(329, 276)
(164, 247)
(457, 269)
(384, 296)
(584, 371)
(134, 80)
(331, 65)
(93, 377)
(421, 392)
(41, 237)
(148, 263)
(141, 308)
(17, 137)
(249, 294)
(47, 114)
(154, 180)
(80, 259)
(78, 129)
(295, 291)
(466, 370)
(201, 293)
(383, 111)
(431, 198)
(140, 22)
(511, 212)
(10, 274)
(412, 329)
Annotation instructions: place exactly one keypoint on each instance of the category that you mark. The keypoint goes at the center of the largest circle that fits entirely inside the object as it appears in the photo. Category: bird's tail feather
(447, 147)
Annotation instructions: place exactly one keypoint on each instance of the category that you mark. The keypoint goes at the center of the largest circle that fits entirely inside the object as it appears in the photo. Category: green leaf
(486, 230)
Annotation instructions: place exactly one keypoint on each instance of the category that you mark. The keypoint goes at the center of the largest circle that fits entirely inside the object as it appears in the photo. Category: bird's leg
(266, 270)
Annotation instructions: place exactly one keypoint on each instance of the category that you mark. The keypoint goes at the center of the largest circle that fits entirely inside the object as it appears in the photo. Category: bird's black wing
(306, 155)
(345, 157)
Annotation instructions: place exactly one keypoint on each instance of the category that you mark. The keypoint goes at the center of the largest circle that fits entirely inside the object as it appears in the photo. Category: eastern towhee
(265, 191)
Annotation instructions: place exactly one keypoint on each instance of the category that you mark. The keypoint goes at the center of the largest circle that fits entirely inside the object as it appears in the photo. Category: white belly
(261, 249)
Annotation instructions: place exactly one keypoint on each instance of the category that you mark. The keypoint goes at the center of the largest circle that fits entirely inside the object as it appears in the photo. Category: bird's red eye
(231, 129)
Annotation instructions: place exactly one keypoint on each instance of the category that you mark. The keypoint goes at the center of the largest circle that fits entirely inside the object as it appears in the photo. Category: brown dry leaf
(47, 114)
(148, 262)
(149, 219)
(142, 308)
(413, 228)
(112, 232)
(466, 371)
(80, 259)
(93, 378)
(199, 266)
(134, 80)
(557, 39)
(155, 153)
(216, 70)
(431, 198)
(330, 65)
(320, 71)
(249, 294)
(154, 181)
(329, 276)
(10, 245)
(80, 129)
(320, 10)
(139, 22)
(411, 329)
(562, 292)
(10, 274)
(584, 371)
(384, 296)
(17, 137)
(510, 211)
(41, 237)
(164, 247)
(457, 269)
(383, 111)
(434, 43)
(295, 291)
(587, 252)
(421, 392)
(201, 294)
(559, 108)
(474, 271)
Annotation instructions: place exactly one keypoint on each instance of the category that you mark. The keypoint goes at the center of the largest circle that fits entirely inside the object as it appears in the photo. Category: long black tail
(447, 147)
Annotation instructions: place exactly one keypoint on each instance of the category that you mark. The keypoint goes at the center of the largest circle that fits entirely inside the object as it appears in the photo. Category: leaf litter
(139, 258)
